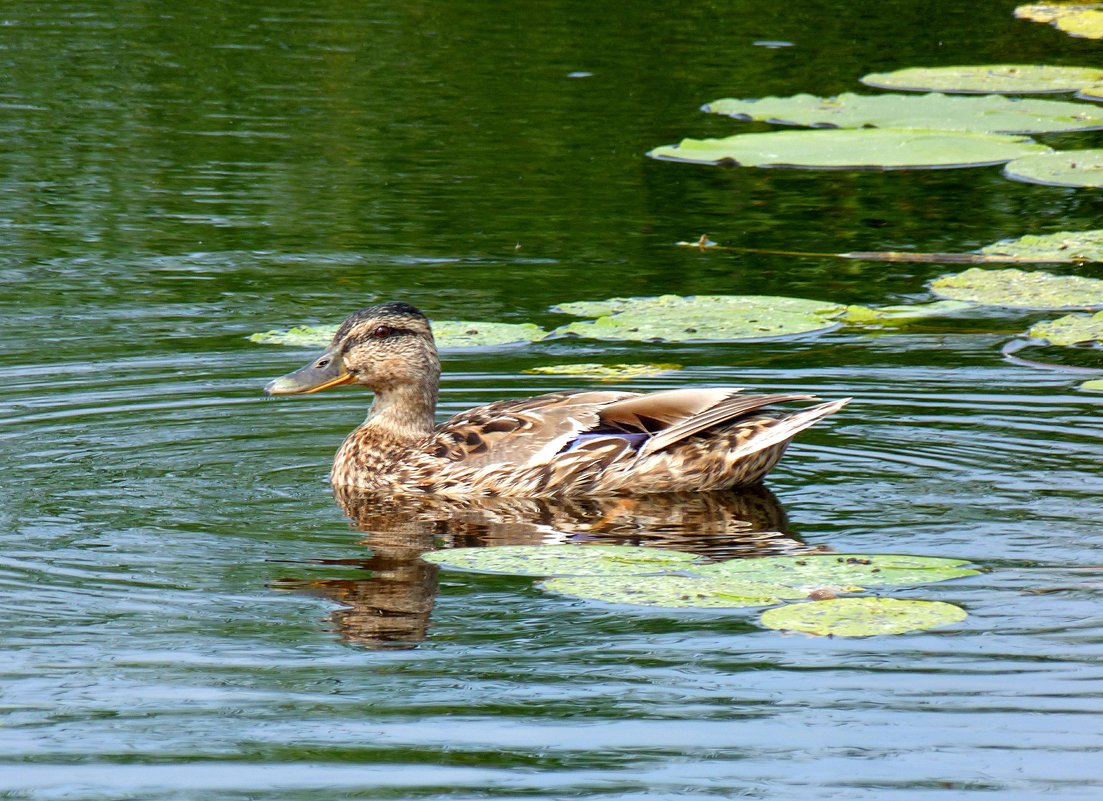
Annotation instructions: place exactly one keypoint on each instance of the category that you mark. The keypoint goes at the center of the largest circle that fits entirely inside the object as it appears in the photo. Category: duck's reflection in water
(391, 608)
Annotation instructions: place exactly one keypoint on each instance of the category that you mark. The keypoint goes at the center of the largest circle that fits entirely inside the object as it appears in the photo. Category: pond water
(187, 613)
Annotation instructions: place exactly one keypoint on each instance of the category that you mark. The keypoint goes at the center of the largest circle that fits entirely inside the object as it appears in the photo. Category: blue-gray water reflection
(186, 613)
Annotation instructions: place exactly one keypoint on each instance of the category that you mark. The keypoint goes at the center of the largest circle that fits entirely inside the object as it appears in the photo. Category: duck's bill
(324, 372)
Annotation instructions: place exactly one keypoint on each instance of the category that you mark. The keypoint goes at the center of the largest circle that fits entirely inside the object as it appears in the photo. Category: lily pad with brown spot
(1074, 246)
(1072, 329)
(1078, 168)
(862, 617)
(1021, 289)
(562, 560)
(679, 592)
(847, 571)
(988, 78)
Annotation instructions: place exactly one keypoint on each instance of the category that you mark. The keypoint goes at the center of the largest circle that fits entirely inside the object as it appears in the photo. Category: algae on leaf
(1074, 246)
(849, 571)
(1080, 168)
(987, 114)
(985, 78)
(673, 591)
(448, 334)
(864, 148)
(1071, 329)
(562, 560)
(1021, 289)
(862, 617)
(673, 318)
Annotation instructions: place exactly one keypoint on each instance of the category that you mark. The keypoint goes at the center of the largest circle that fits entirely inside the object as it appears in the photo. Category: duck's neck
(402, 415)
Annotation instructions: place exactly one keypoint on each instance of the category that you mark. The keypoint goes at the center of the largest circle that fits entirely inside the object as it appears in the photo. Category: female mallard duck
(565, 443)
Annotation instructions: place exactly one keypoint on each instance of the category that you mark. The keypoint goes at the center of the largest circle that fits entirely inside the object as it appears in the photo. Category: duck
(581, 443)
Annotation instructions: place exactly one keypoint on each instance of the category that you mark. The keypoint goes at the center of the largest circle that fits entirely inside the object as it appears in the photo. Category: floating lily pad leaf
(1021, 289)
(1075, 19)
(1070, 330)
(862, 617)
(562, 560)
(987, 114)
(1095, 385)
(985, 78)
(448, 334)
(299, 336)
(866, 148)
(1081, 168)
(902, 315)
(850, 571)
(1074, 246)
(673, 318)
(605, 372)
(673, 591)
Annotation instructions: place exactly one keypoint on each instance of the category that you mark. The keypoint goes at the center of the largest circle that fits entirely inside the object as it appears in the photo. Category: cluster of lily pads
(653, 577)
(964, 120)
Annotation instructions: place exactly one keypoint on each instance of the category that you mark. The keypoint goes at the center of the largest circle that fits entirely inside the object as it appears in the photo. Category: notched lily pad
(1074, 246)
(862, 617)
(673, 591)
(605, 372)
(1021, 289)
(866, 148)
(985, 78)
(562, 560)
(448, 334)
(1079, 168)
(1076, 19)
(849, 571)
(673, 318)
(888, 316)
(1071, 329)
(987, 114)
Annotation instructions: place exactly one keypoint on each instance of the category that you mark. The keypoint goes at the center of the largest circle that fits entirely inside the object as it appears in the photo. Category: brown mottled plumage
(567, 443)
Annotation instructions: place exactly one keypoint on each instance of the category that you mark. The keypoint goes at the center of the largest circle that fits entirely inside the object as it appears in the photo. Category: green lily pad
(562, 560)
(1095, 385)
(605, 372)
(985, 78)
(1076, 19)
(865, 148)
(1070, 330)
(862, 617)
(673, 591)
(850, 571)
(1080, 168)
(1074, 246)
(1021, 289)
(884, 316)
(448, 334)
(987, 114)
(673, 318)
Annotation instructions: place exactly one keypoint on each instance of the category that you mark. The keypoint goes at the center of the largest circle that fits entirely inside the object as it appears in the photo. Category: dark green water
(186, 613)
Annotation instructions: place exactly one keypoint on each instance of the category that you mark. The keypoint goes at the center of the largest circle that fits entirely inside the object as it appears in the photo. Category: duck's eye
(382, 332)
(322, 363)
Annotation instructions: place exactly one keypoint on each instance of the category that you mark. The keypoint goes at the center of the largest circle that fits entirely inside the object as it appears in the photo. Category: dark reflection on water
(392, 608)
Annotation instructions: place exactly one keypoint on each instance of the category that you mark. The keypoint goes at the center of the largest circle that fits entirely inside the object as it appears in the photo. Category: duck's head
(384, 347)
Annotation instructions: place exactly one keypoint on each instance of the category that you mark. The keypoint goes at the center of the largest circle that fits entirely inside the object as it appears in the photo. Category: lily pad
(673, 318)
(562, 560)
(862, 617)
(987, 114)
(673, 591)
(985, 78)
(1080, 168)
(1074, 246)
(605, 372)
(885, 316)
(1070, 330)
(849, 571)
(448, 334)
(1076, 19)
(866, 148)
(1095, 385)
(1021, 289)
